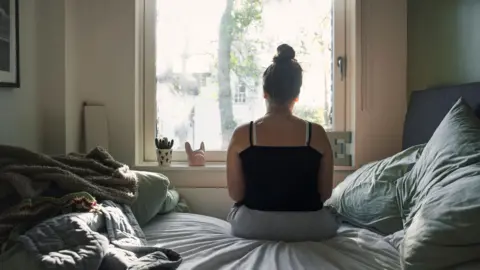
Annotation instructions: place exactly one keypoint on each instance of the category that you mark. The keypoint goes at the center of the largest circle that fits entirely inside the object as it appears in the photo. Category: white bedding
(205, 243)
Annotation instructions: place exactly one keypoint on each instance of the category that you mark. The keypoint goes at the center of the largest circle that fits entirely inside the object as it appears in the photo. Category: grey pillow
(440, 196)
(368, 197)
(154, 196)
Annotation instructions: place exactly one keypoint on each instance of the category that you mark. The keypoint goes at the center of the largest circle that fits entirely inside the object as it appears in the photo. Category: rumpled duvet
(35, 186)
(109, 238)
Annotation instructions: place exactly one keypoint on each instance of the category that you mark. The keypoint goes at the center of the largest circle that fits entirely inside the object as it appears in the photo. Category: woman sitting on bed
(280, 167)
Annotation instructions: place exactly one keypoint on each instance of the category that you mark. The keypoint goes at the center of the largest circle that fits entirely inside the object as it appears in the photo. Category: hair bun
(285, 53)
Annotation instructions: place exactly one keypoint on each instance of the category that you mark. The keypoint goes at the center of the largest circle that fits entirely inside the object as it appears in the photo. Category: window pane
(211, 55)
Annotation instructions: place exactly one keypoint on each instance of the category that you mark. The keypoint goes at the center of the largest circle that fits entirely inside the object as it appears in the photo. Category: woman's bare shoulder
(241, 131)
(319, 128)
(240, 138)
(319, 139)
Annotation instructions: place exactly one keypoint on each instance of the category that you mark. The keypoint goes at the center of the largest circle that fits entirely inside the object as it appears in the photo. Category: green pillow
(154, 196)
(440, 196)
(368, 197)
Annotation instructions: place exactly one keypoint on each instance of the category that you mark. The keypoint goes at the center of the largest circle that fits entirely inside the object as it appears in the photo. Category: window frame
(147, 106)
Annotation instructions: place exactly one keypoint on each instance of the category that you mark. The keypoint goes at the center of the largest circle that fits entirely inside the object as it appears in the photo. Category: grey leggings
(283, 226)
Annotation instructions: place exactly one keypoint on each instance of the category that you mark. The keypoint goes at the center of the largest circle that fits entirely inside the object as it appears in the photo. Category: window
(240, 94)
(203, 64)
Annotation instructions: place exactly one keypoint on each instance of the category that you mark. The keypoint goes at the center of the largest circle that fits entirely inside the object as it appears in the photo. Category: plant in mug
(164, 143)
(164, 151)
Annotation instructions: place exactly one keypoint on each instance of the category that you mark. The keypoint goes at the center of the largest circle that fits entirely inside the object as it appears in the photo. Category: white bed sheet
(205, 243)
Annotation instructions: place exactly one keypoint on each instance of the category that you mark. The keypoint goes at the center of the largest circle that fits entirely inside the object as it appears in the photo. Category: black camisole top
(283, 178)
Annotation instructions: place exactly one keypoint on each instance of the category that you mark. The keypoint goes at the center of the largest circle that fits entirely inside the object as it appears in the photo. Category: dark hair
(283, 78)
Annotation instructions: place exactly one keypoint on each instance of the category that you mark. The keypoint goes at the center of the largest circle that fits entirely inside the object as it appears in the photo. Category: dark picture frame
(9, 44)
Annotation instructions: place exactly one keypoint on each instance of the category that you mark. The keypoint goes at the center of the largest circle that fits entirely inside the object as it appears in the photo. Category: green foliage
(247, 15)
(163, 143)
(244, 64)
(314, 115)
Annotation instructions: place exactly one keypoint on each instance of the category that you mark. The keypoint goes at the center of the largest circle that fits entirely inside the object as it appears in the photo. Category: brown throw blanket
(32, 185)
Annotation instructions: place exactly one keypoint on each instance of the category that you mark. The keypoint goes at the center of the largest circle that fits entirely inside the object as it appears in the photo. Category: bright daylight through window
(209, 60)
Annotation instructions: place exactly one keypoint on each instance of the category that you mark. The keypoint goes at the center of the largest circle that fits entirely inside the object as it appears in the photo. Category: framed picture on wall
(9, 49)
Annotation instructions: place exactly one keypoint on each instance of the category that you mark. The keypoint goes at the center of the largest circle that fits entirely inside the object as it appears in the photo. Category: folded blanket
(106, 239)
(34, 186)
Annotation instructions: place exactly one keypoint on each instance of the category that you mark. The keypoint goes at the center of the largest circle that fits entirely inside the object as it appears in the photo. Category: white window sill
(182, 166)
(212, 175)
(210, 166)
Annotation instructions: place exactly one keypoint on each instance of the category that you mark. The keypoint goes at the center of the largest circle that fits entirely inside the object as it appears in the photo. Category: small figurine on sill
(164, 151)
(195, 157)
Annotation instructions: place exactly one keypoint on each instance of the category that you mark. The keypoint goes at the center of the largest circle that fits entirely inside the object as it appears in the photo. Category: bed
(205, 243)
(362, 243)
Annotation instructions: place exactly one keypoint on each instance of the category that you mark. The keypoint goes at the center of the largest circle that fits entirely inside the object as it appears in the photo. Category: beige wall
(51, 74)
(59, 102)
(380, 101)
(105, 67)
(443, 42)
(89, 46)
(19, 123)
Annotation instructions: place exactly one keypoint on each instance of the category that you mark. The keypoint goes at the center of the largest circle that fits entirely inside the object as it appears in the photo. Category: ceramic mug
(164, 157)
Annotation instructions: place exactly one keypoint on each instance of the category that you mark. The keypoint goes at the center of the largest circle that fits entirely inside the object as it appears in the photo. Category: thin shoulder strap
(308, 133)
(251, 132)
(254, 134)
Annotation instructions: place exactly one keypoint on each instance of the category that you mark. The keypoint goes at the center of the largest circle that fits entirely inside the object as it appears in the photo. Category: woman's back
(280, 167)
